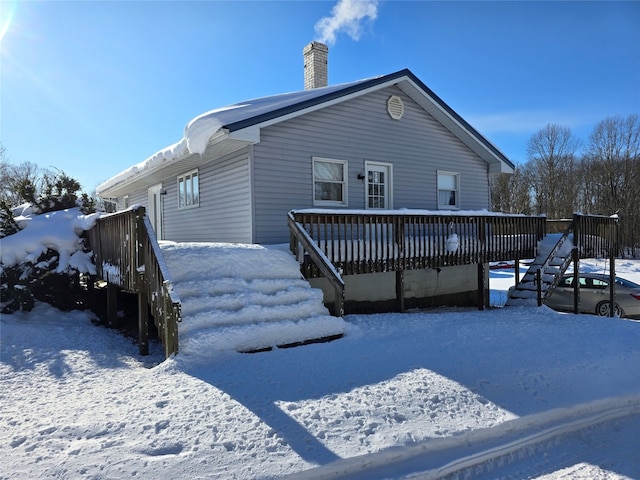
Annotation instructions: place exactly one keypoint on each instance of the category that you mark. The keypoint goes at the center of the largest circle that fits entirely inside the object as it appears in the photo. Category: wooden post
(576, 280)
(516, 266)
(338, 304)
(613, 246)
(143, 320)
(539, 286)
(481, 286)
(399, 241)
(400, 290)
(112, 305)
(91, 290)
(171, 327)
(141, 286)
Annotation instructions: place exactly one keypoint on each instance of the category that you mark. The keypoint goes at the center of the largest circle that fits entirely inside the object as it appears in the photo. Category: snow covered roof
(242, 121)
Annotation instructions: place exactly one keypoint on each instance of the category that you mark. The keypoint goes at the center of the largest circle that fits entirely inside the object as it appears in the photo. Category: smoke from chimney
(347, 16)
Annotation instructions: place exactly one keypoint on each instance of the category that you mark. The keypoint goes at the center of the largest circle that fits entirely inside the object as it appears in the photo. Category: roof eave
(222, 142)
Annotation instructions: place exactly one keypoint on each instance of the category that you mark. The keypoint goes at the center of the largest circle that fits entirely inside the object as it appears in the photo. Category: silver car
(594, 295)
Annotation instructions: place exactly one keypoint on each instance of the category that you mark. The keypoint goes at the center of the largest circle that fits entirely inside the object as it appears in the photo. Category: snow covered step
(263, 335)
(554, 254)
(245, 298)
(297, 293)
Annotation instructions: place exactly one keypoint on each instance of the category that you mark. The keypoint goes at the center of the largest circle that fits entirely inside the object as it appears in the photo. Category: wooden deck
(338, 243)
(333, 244)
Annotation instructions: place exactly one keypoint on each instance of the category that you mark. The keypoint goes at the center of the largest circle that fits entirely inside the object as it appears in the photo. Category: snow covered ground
(518, 392)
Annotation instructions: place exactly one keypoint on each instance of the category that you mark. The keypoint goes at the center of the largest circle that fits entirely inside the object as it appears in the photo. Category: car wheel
(603, 309)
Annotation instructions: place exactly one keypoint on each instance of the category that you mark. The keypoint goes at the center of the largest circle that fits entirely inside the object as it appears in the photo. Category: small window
(448, 190)
(329, 182)
(188, 190)
(125, 201)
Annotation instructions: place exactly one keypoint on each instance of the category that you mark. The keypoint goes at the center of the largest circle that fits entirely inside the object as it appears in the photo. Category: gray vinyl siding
(224, 213)
(360, 130)
(137, 197)
(140, 197)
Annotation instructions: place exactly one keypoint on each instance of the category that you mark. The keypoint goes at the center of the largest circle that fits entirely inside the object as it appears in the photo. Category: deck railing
(127, 254)
(595, 236)
(299, 236)
(357, 242)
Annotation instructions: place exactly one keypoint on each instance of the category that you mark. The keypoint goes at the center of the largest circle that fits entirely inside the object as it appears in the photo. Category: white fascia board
(499, 167)
(149, 168)
(250, 134)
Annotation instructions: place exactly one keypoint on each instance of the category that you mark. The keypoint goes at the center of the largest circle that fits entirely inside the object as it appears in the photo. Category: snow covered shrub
(8, 225)
(58, 192)
(16, 297)
(43, 251)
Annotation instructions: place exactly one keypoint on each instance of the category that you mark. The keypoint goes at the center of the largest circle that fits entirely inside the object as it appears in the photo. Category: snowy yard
(504, 393)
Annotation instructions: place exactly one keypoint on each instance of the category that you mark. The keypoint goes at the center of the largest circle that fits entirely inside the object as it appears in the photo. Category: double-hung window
(448, 190)
(188, 190)
(329, 182)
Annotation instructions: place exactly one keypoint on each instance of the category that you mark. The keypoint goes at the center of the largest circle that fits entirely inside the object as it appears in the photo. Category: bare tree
(552, 165)
(511, 193)
(12, 177)
(613, 152)
(613, 173)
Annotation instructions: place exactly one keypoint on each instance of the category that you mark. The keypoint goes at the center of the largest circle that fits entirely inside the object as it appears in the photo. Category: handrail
(369, 241)
(562, 268)
(300, 235)
(163, 300)
(127, 254)
(162, 266)
(592, 235)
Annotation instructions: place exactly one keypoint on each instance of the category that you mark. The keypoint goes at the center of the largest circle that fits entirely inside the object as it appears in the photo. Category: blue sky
(94, 87)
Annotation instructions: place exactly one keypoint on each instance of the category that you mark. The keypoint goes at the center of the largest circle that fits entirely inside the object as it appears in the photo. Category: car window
(566, 282)
(626, 283)
(598, 283)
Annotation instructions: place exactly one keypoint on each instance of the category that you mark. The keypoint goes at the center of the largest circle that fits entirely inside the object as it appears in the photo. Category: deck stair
(553, 259)
(246, 298)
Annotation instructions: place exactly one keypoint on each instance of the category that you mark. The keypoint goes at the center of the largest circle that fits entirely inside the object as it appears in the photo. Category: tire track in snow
(460, 455)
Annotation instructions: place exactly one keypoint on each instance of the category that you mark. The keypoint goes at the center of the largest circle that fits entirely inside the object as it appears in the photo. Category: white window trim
(345, 182)
(448, 207)
(389, 166)
(125, 202)
(188, 177)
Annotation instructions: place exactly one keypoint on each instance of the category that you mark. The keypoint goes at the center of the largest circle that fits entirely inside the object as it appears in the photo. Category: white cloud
(346, 16)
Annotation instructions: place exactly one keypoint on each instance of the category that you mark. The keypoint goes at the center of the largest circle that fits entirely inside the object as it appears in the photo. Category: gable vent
(395, 107)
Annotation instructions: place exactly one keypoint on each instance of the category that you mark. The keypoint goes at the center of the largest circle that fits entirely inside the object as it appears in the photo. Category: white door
(378, 185)
(154, 211)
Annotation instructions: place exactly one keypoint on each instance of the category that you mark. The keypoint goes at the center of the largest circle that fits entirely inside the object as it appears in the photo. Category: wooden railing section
(589, 236)
(299, 236)
(127, 254)
(367, 242)
(337, 243)
(595, 236)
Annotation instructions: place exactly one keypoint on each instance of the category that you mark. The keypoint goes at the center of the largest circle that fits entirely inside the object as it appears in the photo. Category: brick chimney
(316, 56)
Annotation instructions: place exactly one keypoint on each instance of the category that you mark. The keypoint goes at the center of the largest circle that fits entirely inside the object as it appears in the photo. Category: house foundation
(423, 288)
